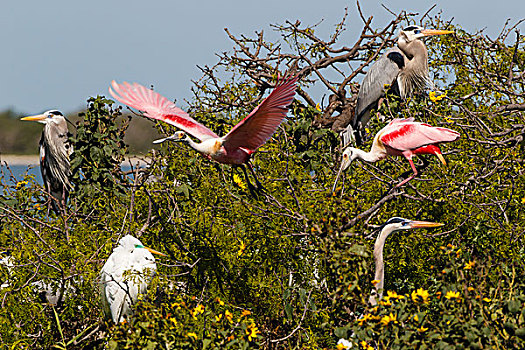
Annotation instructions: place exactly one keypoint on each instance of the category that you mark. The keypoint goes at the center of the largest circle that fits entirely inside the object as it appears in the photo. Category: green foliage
(99, 150)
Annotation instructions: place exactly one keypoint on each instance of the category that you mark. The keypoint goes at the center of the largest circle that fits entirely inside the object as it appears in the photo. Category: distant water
(19, 171)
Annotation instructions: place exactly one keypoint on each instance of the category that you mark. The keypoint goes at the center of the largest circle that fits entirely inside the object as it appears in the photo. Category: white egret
(125, 275)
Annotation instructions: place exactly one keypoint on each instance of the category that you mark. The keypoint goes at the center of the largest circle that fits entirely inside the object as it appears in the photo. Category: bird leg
(409, 158)
(260, 187)
(252, 188)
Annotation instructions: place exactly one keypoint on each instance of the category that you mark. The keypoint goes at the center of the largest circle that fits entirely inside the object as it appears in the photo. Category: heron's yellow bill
(436, 32)
(153, 251)
(416, 224)
(35, 117)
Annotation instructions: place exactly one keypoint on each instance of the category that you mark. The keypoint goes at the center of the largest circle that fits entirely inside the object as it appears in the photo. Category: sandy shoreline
(14, 159)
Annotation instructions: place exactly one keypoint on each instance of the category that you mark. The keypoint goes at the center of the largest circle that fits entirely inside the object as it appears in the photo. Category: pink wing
(412, 135)
(156, 106)
(254, 130)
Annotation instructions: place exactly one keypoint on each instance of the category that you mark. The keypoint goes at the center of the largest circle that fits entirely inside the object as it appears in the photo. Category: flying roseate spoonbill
(404, 68)
(234, 148)
(401, 137)
(55, 150)
(392, 225)
(125, 275)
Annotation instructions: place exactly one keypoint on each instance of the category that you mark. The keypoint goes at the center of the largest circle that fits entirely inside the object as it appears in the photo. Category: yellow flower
(318, 107)
(385, 302)
(218, 300)
(452, 295)
(241, 249)
(252, 331)
(238, 181)
(434, 97)
(420, 293)
(448, 120)
(470, 289)
(487, 300)
(230, 337)
(20, 184)
(416, 318)
(245, 313)
(228, 315)
(469, 265)
(173, 319)
(192, 335)
(218, 318)
(386, 320)
(365, 346)
(394, 295)
(340, 346)
(422, 329)
(198, 310)
(523, 200)
(363, 319)
(375, 282)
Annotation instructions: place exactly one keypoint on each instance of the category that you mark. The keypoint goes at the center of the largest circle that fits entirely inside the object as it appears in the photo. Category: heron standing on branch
(234, 148)
(55, 150)
(404, 68)
(125, 275)
(401, 137)
(392, 225)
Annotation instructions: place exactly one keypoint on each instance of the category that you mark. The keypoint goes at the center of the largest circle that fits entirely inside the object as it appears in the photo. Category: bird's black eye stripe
(407, 29)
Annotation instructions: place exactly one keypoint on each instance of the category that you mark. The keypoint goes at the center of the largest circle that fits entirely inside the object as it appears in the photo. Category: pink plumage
(156, 106)
(402, 137)
(236, 146)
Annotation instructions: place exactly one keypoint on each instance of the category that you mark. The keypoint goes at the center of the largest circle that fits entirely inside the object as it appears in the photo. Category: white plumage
(125, 275)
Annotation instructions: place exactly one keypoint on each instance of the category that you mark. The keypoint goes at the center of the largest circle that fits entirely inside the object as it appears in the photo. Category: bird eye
(417, 31)
(405, 223)
(345, 156)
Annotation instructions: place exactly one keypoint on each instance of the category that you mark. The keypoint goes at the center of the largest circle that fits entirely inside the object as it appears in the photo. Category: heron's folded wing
(383, 72)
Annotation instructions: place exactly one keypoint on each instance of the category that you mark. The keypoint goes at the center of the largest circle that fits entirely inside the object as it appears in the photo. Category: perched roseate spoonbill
(125, 275)
(401, 137)
(404, 68)
(55, 150)
(390, 226)
(234, 148)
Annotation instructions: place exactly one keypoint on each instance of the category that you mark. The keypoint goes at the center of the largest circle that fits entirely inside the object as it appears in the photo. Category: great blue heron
(401, 137)
(404, 68)
(55, 150)
(125, 275)
(392, 225)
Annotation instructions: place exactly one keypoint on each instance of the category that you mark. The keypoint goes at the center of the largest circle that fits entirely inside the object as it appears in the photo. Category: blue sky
(58, 53)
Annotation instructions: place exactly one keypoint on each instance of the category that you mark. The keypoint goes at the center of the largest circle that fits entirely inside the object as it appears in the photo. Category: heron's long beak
(429, 32)
(153, 251)
(344, 165)
(416, 224)
(37, 118)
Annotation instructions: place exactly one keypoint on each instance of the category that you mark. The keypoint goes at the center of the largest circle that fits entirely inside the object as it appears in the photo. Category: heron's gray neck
(380, 267)
(414, 76)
